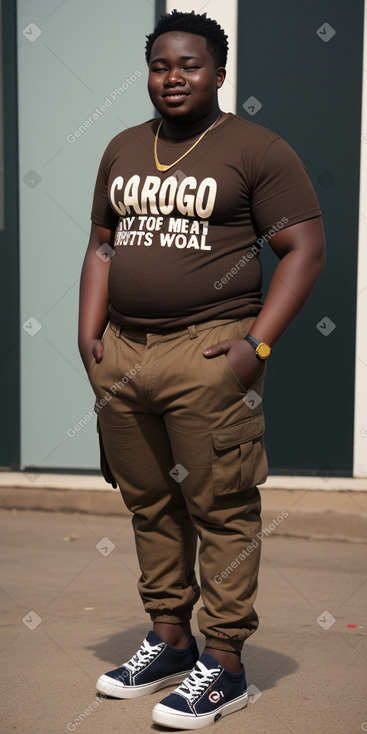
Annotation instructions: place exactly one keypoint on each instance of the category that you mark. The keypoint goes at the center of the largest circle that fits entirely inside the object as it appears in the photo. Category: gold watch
(262, 350)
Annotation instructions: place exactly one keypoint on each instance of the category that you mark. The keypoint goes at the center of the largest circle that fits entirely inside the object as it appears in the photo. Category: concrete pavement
(71, 612)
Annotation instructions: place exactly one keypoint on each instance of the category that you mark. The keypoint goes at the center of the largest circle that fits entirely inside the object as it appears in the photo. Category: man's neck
(185, 130)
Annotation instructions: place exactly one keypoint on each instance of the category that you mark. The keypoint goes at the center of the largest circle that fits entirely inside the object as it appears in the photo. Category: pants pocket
(105, 469)
(91, 364)
(239, 456)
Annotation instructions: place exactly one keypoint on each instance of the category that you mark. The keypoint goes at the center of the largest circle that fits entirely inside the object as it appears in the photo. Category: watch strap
(252, 340)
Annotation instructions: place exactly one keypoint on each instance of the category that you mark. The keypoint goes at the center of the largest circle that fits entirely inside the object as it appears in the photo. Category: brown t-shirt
(188, 240)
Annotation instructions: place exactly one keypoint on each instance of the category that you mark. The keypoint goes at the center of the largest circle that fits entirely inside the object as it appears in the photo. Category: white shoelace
(196, 683)
(143, 656)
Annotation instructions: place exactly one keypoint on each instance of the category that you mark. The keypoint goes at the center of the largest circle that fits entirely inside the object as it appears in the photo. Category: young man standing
(175, 337)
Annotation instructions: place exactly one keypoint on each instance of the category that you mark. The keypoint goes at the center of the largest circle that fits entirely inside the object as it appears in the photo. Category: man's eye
(160, 69)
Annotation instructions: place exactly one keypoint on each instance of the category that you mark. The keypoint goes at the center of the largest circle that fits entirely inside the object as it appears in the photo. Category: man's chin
(176, 115)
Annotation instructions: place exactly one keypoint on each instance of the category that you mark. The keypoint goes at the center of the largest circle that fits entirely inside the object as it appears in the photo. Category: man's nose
(174, 77)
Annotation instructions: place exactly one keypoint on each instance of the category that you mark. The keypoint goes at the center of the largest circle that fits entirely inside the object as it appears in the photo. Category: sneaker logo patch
(215, 696)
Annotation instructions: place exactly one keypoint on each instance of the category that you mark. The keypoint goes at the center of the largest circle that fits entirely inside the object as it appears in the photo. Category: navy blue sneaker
(155, 665)
(207, 694)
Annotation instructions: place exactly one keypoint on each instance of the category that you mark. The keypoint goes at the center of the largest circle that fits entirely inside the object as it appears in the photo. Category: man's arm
(93, 297)
(301, 250)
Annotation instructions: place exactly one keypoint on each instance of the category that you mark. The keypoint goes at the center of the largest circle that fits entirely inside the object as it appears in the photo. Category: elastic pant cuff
(220, 643)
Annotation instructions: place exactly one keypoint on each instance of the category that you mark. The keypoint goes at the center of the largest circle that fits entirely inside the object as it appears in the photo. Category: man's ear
(221, 75)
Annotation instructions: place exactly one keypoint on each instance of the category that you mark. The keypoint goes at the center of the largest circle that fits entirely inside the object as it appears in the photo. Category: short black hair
(200, 25)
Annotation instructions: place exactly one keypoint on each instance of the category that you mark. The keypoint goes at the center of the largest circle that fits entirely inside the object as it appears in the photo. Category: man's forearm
(291, 285)
(93, 300)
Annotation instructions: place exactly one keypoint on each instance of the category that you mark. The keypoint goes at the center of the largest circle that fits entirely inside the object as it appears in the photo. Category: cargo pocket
(239, 456)
(105, 469)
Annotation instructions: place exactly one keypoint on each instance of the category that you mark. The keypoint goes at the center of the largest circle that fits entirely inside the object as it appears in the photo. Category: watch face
(263, 350)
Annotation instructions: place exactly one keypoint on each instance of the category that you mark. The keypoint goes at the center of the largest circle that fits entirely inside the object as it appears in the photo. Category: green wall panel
(9, 246)
(73, 58)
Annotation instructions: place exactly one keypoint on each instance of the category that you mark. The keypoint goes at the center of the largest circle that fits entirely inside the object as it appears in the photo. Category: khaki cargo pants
(184, 441)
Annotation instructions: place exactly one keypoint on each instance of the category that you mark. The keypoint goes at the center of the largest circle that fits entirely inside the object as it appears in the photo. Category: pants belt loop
(192, 331)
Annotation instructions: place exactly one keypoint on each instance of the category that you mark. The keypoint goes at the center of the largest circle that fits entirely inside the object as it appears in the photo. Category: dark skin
(183, 85)
(94, 297)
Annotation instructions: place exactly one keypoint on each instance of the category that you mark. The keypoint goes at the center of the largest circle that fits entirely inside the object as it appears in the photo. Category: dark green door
(302, 61)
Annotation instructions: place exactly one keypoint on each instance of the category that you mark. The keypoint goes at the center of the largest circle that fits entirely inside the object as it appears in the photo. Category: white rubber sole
(173, 719)
(116, 689)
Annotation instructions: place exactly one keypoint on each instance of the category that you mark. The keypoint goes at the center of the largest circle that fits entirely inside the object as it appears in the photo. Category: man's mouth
(175, 96)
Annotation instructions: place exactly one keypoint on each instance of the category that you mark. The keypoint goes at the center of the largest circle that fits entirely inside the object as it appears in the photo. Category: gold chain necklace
(161, 166)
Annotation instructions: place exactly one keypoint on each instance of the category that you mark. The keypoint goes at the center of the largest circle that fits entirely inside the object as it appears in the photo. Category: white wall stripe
(360, 394)
(225, 13)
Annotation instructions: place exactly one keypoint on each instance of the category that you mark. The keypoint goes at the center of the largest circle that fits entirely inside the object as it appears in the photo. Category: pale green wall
(85, 50)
